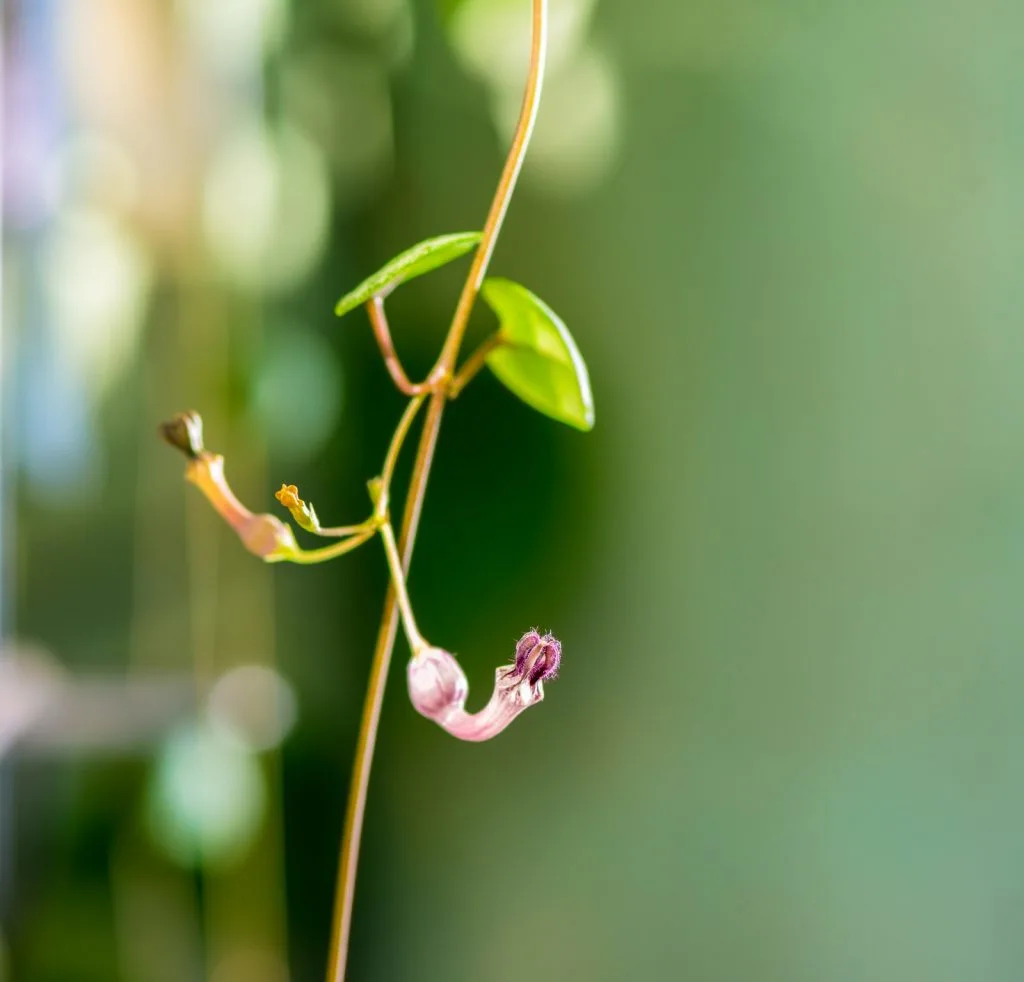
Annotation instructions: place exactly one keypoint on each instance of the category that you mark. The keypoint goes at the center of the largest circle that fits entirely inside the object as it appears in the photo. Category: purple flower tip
(525, 645)
(545, 659)
(537, 658)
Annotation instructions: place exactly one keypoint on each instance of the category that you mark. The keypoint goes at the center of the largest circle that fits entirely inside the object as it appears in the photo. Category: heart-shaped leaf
(420, 259)
(537, 358)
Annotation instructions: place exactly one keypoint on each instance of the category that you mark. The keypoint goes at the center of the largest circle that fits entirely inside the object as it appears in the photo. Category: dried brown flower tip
(185, 433)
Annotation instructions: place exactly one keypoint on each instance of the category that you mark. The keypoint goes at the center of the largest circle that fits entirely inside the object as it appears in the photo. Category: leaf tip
(343, 306)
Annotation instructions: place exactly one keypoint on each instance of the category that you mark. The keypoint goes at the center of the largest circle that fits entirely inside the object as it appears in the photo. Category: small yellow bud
(301, 512)
(289, 496)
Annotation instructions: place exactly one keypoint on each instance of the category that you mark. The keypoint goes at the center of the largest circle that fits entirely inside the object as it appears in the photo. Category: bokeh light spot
(206, 798)
(578, 130)
(492, 37)
(266, 205)
(344, 103)
(235, 35)
(98, 281)
(297, 393)
(253, 705)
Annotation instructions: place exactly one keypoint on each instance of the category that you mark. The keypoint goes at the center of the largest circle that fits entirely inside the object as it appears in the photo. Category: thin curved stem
(412, 632)
(340, 531)
(321, 555)
(472, 365)
(381, 331)
(401, 432)
(414, 501)
(364, 530)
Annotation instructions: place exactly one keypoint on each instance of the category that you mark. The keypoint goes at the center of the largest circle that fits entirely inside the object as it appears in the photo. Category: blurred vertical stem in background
(440, 377)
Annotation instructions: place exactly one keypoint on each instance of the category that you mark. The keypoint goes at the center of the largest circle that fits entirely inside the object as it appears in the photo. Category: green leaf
(538, 359)
(420, 259)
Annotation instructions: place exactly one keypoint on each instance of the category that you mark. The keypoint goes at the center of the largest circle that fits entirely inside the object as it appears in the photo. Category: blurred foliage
(785, 566)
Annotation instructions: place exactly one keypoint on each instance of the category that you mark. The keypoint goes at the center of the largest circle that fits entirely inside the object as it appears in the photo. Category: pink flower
(263, 535)
(438, 687)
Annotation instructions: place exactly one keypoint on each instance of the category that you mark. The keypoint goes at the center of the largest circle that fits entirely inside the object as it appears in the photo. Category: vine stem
(506, 185)
(439, 377)
(416, 640)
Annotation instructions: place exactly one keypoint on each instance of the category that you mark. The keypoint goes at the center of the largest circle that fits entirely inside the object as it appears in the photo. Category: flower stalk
(437, 685)
(442, 373)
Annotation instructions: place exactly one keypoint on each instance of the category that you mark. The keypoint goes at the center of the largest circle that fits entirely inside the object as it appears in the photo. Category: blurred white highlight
(266, 205)
(252, 705)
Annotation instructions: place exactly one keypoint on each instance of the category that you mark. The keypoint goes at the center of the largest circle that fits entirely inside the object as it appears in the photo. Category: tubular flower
(438, 687)
(263, 535)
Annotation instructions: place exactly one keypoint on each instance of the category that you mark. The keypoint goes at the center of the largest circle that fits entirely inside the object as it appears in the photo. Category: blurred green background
(786, 565)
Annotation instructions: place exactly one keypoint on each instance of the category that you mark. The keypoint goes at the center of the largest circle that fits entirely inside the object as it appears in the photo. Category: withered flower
(438, 687)
(263, 535)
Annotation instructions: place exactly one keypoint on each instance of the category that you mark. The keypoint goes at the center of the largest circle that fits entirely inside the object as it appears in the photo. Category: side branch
(375, 308)
(472, 365)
